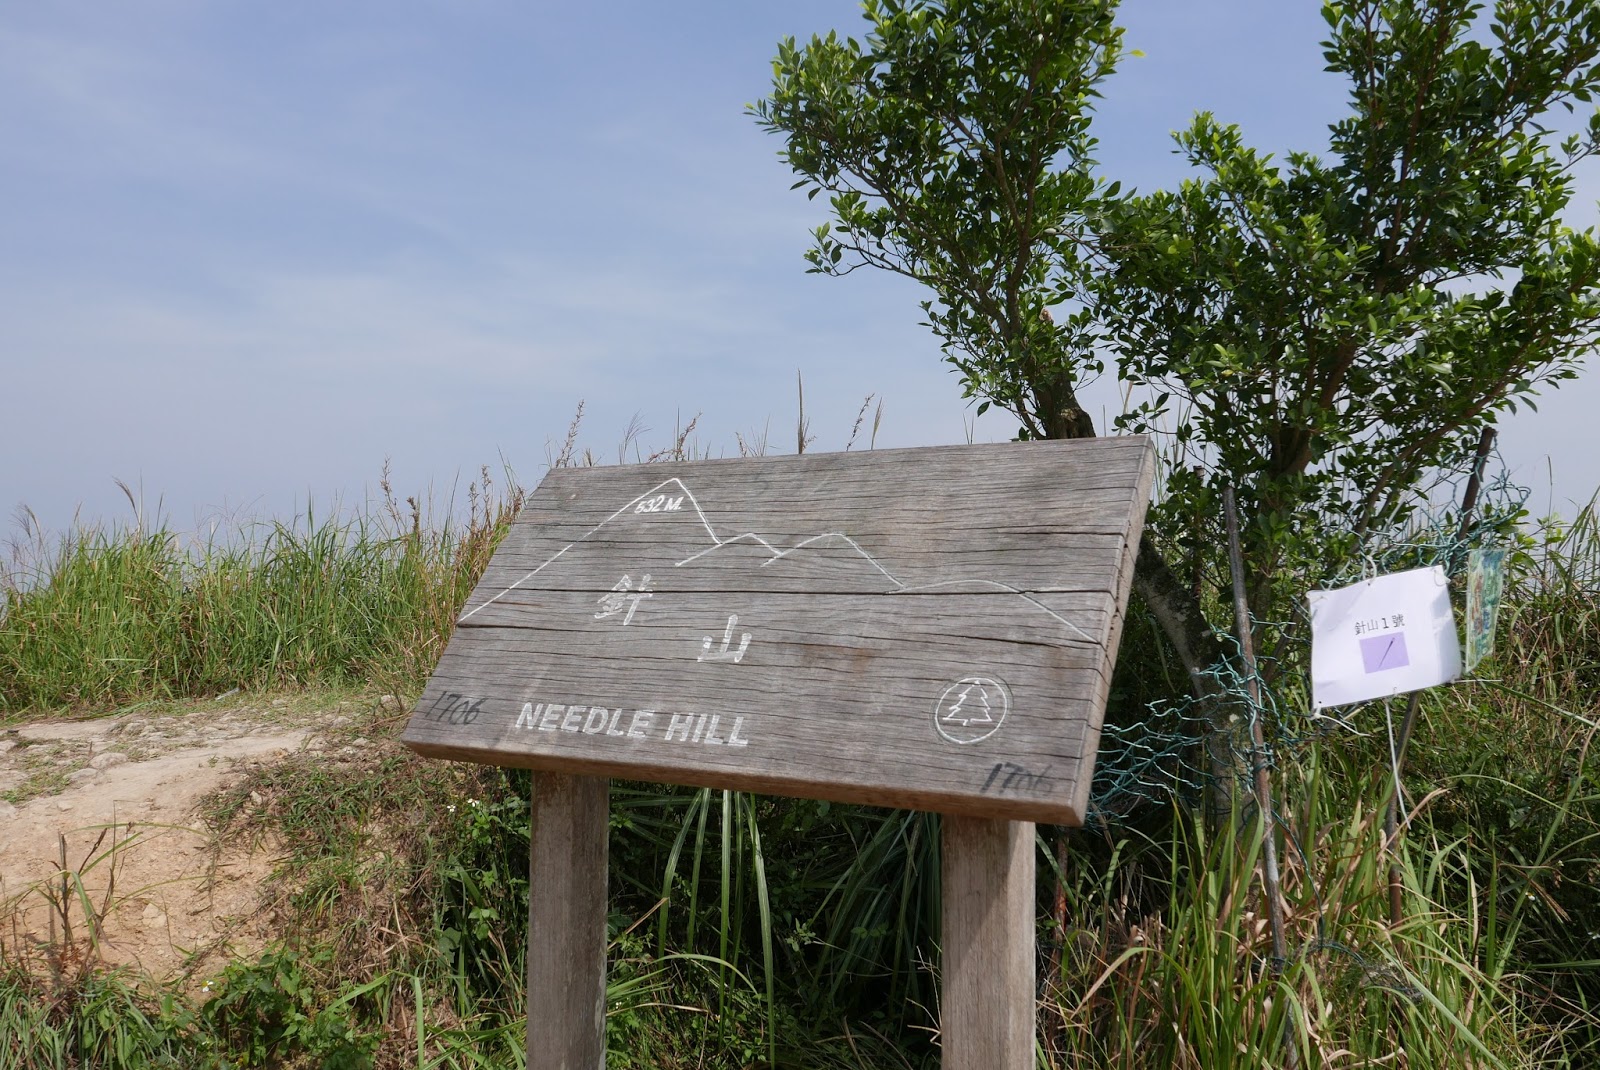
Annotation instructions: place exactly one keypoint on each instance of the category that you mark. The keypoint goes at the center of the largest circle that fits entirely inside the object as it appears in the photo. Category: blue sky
(253, 250)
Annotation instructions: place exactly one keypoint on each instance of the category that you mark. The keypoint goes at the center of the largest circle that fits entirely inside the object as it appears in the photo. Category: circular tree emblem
(971, 709)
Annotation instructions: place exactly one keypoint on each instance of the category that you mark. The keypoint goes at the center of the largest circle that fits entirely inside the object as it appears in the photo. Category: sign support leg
(567, 922)
(987, 1007)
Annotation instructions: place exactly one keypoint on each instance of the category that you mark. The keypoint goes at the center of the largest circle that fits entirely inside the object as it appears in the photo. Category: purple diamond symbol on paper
(1380, 652)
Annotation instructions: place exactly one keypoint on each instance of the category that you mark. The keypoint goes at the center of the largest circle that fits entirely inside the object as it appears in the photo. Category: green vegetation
(112, 616)
(749, 929)
(1331, 331)
(1321, 332)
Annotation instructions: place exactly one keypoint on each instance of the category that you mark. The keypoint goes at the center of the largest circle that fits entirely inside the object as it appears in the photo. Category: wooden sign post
(931, 628)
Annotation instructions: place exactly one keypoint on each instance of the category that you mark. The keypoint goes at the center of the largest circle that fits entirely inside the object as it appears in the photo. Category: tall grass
(116, 614)
(1171, 964)
(752, 931)
(1166, 960)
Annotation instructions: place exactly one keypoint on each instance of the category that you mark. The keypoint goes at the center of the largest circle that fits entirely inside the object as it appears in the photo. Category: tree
(1334, 329)
(954, 148)
(1324, 333)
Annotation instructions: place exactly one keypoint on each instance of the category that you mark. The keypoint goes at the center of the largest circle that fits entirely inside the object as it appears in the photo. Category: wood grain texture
(931, 628)
(567, 923)
(986, 1002)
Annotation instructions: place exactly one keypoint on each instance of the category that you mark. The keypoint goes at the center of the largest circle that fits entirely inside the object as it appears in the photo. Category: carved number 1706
(453, 707)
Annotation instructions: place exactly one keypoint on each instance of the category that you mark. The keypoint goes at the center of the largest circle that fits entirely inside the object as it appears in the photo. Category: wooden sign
(930, 628)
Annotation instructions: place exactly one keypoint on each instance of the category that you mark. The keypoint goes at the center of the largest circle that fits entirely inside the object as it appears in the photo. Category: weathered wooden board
(929, 628)
(986, 1003)
(567, 850)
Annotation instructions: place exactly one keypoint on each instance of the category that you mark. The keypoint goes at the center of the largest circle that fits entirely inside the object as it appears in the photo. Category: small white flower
(452, 808)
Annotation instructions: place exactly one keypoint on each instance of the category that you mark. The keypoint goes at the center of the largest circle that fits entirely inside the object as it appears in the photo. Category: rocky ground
(104, 840)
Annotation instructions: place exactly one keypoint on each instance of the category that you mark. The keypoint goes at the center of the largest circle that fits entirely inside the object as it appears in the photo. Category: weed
(119, 615)
(751, 931)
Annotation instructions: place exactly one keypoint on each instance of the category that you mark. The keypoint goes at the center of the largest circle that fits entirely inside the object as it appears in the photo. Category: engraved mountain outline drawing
(794, 553)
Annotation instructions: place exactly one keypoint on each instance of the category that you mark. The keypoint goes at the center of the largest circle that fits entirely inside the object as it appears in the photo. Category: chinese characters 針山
(624, 597)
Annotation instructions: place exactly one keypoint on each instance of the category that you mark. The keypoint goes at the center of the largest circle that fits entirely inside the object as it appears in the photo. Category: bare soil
(104, 851)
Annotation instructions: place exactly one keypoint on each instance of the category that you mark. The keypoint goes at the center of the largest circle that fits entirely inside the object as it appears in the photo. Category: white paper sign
(1381, 637)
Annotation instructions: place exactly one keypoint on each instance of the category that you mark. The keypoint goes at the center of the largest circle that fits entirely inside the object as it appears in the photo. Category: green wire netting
(1163, 756)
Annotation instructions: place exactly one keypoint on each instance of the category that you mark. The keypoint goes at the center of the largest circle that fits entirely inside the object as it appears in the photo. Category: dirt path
(119, 795)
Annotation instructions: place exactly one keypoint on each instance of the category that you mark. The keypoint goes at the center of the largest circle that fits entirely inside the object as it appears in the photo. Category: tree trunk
(1177, 611)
